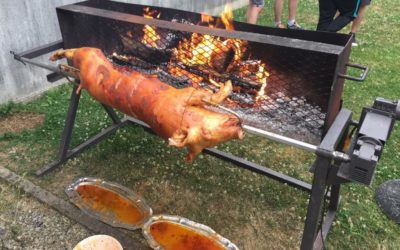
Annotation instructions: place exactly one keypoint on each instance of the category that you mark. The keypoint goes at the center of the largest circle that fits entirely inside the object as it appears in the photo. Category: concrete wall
(26, 24)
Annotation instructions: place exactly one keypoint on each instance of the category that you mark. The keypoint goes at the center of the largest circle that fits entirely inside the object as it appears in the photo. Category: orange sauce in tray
(108, 203)
(173, 236)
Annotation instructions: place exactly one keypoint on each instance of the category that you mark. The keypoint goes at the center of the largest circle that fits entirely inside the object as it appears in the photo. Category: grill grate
(265, 97)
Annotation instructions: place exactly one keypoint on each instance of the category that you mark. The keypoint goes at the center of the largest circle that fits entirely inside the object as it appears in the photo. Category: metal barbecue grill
(287, 87)
(303, 86)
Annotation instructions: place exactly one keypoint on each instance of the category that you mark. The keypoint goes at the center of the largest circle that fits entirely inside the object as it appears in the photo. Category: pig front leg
(202, 97)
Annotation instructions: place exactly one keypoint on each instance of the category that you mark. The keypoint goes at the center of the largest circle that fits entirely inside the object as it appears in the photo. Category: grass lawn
(251, 210)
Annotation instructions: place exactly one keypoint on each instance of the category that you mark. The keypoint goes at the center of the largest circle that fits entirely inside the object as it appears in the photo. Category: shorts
(258, 3)
(365, 2)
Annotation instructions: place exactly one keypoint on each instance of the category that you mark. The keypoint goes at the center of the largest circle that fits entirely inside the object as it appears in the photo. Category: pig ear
(178, 139)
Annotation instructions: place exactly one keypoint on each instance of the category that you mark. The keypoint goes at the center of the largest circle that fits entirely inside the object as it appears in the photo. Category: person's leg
(254, 9)
(278, 13)
(348, 11)
(292, 6)
(360, 17)
(327, 11)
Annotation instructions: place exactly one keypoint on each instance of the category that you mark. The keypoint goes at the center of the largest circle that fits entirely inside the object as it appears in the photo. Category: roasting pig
(180, 116)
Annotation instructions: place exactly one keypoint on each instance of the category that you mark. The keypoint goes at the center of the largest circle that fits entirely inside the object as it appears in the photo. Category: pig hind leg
(63, 53)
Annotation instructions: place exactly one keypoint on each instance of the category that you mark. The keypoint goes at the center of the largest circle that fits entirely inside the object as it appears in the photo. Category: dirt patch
(28, 224)
(20, 121)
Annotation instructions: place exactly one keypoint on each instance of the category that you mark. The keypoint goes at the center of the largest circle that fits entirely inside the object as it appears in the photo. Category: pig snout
(233, 128)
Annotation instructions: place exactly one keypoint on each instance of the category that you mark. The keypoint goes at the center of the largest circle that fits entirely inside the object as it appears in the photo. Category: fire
(262, 76)
(150, 37)
(207, 49)
(219, 54)
(227, 17)
(210, 55)
(179, 72)
(205, 18)
(198, 50)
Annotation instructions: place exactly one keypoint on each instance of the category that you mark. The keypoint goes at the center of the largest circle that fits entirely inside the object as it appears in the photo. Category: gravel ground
(26, 223)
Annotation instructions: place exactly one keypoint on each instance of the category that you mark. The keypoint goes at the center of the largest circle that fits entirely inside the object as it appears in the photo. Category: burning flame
(262, 76)
(150, 37)
(203, 49)
(205, 18)
(227, 17)
(219, 54)
(179, 72)
(210, 53)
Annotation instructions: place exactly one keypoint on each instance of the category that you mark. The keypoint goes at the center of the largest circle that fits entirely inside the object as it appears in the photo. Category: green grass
(253, 211)
(360, 223)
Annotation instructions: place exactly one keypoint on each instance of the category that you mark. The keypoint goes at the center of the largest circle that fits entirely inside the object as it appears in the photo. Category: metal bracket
(365, 70)
(17, 57)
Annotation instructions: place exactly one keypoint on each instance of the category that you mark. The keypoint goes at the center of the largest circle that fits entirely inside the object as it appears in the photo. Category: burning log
(135, 64)
(132, 62)
(155, 55)
(152, 44)
(209, 73)
(179, 115)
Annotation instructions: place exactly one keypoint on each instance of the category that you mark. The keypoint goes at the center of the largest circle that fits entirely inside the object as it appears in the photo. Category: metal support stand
(318, 224)
(64, 154)
(315, 204)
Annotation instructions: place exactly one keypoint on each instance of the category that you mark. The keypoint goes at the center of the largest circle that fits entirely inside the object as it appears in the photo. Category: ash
(292, 117)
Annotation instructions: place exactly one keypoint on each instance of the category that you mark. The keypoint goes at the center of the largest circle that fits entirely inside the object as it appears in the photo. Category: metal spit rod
(282, 139)
(337, 155)
(49, 67)
(272, 136)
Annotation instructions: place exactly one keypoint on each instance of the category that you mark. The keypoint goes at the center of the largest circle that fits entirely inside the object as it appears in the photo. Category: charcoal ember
(286, 99)
(173, 38)
(177, 82)
(280, 94)
(244, 99)
(247, 66)
(315, 111)
(243, 82)
(313, 124)
(246, 73)
(287, 116)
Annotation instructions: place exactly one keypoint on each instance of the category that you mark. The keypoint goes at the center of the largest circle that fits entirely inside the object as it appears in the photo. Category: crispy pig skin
(177, 115)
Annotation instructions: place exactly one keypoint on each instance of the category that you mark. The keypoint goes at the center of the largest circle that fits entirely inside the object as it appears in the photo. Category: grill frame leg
(64, 153)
